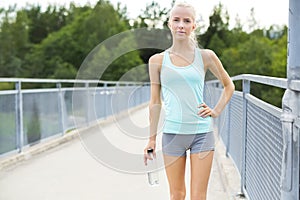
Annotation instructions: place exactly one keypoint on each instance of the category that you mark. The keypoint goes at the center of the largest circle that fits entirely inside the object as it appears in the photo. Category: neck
(181, 47)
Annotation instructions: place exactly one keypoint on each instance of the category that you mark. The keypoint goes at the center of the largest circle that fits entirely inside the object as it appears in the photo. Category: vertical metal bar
(220, 124)
(291, 110)
(19, 117)
(116, 96)
(17, 122)
(246, 90)
(105, 93)
(87, 104)
(293, 68)
(290, 155)
(61, 108)
(287, 119)
(228, 132)
(215, 100)
(140, 88)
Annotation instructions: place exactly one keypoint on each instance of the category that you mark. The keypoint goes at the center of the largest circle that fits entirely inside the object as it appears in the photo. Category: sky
(267, 12)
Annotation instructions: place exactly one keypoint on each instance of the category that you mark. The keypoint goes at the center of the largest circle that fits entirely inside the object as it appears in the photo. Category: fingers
(204, 111)
(148, 156)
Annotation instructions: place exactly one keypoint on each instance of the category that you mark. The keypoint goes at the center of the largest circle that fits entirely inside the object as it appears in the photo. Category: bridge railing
(30, 116)
(266, 158)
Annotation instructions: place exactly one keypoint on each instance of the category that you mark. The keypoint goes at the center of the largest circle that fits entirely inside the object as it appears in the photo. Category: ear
(194, 26)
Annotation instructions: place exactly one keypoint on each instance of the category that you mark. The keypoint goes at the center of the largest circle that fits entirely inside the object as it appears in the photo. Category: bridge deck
(68, 171)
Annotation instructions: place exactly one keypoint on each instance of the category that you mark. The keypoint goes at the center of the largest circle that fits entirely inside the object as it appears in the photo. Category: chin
(181, 37)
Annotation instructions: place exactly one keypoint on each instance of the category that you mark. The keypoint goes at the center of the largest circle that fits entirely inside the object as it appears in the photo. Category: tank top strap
(166, 58)
(198, 61)
(198, 58)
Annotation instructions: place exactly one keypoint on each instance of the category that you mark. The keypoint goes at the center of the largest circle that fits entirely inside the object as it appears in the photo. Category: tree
(155, 20)
(72, 43)
(258, 55)
(57, 42)
(14, 43)
(41, 24)
(152, 17)
(252, 22)
(218, 24)
(217, 44)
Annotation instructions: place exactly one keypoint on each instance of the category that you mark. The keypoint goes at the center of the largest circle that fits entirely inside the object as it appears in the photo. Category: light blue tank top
(182, 92)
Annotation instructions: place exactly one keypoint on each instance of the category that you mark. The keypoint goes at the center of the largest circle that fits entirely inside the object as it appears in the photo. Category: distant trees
(55, 42)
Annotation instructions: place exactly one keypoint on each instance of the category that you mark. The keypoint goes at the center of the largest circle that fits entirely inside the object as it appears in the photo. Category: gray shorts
(178, 144)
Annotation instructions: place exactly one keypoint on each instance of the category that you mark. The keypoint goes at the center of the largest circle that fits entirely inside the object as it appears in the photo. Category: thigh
(175, 144)
(201, 164)
(203, 142)
(175, 170)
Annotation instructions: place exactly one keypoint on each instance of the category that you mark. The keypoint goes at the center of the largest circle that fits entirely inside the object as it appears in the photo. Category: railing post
(219, 88)
(19, 116)
(142, 95)
(105, 93)
(291, 110)
(116, 96)
(61, 108)
(228, 126)
(87, 104)
(246, 90)
(290, 158)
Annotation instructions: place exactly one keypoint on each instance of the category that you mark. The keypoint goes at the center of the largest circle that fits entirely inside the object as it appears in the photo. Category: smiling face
(182, 22)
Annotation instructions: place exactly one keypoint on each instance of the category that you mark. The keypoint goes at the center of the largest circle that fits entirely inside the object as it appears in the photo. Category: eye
(187, 20)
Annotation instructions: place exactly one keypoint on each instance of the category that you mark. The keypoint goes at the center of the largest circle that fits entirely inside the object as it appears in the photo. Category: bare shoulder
(208, 54)
(155, 61)
(156, 58)
(209, 57)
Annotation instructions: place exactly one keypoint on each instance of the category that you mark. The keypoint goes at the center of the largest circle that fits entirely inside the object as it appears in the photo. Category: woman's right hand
(151, 145)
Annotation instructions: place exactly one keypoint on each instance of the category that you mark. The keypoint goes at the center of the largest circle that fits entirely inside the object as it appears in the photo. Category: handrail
(90, 101)
(295, 85)
(39, 80)
(253, 126)
(266, 80)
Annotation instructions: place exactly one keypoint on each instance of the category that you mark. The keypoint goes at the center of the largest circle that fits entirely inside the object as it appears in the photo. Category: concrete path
(74, 170)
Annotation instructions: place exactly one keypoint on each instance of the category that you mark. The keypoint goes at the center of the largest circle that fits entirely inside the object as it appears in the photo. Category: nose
(180, 25)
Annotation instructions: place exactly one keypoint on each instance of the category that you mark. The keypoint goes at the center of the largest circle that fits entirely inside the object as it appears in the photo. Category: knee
(177, 195)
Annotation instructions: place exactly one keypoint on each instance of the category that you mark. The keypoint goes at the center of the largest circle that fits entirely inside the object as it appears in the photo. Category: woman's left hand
(206, 111)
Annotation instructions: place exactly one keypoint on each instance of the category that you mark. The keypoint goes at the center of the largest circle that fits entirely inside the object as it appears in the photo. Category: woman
(179, 74)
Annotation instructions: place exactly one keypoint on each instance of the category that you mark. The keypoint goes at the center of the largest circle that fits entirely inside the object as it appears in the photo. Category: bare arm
(155, 101)
(213, 64)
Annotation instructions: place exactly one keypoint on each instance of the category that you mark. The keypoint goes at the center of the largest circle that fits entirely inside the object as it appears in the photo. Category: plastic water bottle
(152, 173)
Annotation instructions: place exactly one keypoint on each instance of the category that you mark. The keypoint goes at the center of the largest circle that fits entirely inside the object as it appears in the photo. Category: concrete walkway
(72, 171)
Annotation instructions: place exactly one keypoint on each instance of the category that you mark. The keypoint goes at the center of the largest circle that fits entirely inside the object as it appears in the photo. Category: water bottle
(152, 169)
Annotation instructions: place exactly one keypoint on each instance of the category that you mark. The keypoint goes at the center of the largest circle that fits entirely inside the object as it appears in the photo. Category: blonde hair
(193, 37)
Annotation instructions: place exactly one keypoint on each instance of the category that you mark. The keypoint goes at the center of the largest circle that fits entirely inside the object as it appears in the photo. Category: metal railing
(30, 116)
(255, 133)
(262, 142)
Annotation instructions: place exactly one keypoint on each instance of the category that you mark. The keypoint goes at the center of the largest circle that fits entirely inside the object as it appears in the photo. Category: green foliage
(218, 25)
(153, 16)
(250, 57)
(14, 43)
(38, 44)
(60, 41)
(41, 24)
